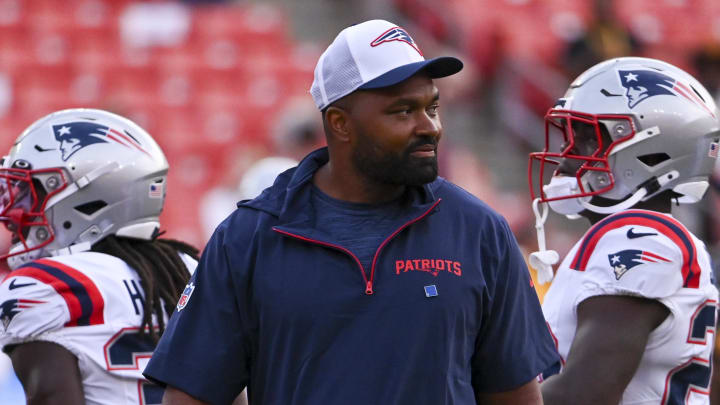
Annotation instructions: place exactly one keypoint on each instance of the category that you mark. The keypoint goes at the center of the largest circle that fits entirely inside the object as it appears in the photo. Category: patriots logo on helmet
(395, 34)
(74, 136)
(10, 308)
(625, 260)
(643, 84)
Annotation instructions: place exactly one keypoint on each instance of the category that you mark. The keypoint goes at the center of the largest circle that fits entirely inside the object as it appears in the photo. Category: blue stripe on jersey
(77, 289)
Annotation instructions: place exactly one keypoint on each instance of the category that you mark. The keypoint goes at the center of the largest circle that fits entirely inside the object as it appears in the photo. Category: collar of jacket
(289, 197)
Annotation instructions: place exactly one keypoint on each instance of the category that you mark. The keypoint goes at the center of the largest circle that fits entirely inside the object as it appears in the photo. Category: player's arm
(48, 372)
(528, 394)
(609, 342)
(715, 381)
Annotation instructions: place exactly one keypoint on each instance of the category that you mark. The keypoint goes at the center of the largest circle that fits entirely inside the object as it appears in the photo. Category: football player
(92, 284)
(632, 308)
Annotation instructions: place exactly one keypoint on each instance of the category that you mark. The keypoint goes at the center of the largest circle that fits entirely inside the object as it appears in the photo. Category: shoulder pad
(81, 296)
(29, 307)
(639, 237)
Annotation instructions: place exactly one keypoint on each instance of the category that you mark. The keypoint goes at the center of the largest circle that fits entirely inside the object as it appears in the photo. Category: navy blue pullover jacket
(446, 309)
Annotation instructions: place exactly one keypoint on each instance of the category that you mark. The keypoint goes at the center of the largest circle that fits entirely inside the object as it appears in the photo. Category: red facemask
(575, 144)
(22, 207)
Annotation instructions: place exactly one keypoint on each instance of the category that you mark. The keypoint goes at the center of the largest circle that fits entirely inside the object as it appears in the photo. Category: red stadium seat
(10, 128)
(12, 13)
(126, 86)
(42, 89)
(14, 53)
(259, 23)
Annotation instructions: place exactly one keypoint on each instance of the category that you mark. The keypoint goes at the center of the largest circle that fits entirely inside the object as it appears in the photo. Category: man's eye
(433, 109)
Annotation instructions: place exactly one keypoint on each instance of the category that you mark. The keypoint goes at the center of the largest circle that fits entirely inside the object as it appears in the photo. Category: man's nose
(428, 125)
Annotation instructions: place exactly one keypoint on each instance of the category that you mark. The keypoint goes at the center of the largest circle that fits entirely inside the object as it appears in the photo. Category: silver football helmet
(76, 176)
(626, 130)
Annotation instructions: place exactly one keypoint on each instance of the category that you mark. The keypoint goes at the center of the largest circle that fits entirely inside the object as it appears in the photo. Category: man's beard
(395, 168)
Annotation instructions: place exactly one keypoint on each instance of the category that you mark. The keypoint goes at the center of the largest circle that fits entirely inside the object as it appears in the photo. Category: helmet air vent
(91, 207)
(653, 159)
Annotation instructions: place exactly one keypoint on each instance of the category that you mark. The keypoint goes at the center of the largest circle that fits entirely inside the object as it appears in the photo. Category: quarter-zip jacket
(446, 309)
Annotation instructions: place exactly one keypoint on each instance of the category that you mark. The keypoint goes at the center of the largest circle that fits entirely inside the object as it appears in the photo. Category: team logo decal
(13, 285)
(631, 234)
(156, 190)
(432, 266)
(74, 136)
(10, 308)
(395, 34)
(185, 297)
(643, 84)
(625, 260)
(713, 152)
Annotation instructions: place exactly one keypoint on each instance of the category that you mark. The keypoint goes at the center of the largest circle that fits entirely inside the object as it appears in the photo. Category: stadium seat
(259, 23)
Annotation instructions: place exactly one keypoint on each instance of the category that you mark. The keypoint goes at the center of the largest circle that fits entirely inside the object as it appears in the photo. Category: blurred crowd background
(223, 85)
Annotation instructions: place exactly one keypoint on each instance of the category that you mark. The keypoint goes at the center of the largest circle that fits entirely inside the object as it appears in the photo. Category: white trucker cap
(371, 55)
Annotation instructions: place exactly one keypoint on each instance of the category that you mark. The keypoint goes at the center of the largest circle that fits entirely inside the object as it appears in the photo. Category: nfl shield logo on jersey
(185, 297)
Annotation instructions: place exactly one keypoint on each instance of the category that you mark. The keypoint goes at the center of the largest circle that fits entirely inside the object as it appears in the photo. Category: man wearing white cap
(361, 277)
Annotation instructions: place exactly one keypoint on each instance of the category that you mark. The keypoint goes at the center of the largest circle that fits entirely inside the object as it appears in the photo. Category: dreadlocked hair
(162, 272)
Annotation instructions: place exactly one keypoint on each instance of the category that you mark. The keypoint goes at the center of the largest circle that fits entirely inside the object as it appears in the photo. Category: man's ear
(337, 122)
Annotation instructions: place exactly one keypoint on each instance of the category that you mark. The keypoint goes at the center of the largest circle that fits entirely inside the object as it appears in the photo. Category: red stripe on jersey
(74, 302)
(60, 287)
(93, 292)
(661, 223)
(654, 256)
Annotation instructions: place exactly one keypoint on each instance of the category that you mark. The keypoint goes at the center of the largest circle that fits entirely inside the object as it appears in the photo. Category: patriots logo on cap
(625, 260)
(643, 84)
(395, 34)
(74, 136)
(10, 308)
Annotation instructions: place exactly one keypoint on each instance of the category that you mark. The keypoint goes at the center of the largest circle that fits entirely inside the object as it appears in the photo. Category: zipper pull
(368, 288)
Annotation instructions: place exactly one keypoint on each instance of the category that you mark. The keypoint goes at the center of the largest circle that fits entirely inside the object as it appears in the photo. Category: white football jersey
(92, 305)
(652, 255)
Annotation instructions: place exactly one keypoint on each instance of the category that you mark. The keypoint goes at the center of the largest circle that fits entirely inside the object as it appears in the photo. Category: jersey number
(123, 351)
(693, 376)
